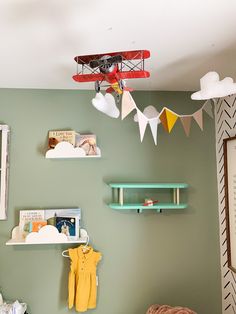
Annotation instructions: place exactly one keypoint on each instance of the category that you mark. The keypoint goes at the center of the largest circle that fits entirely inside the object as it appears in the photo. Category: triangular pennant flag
(198, 118)
(168, 119)
(153, 125)
(186, 122)
(208, 108)
(214, 100)
(127, 104)
(142, 122)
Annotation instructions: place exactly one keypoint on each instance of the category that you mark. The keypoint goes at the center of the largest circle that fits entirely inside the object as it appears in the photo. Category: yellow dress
(82, 287)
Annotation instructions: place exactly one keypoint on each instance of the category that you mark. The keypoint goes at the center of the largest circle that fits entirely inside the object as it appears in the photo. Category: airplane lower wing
(82, 78)
(132, 74)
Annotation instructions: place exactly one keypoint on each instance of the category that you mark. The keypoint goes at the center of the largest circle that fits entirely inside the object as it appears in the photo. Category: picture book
(27, 216)
(87, 142)
(35, 226)
(72, 215)
(55, 137)
(66, 225)
(33, 220)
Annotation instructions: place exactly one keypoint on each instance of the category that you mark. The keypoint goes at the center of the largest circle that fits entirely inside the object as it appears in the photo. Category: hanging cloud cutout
(47, 234)
(65, 150)
(106, 104)
(150, 112)
(212, 87)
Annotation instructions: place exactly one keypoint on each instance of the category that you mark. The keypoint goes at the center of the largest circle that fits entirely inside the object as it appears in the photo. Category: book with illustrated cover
(87, 142)
(53, 216)
(55, 137)
(66, 225)
(35, 226)
(28, 216)
(33, 220)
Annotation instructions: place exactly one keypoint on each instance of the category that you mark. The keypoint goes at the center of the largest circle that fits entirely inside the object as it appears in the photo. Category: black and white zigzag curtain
(225, 121)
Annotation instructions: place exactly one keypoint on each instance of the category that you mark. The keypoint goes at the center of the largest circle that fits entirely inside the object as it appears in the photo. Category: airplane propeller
(105, 60)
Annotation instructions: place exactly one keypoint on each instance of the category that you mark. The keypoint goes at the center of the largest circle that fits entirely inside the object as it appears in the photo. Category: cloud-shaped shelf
(47, 234)
(67, 150)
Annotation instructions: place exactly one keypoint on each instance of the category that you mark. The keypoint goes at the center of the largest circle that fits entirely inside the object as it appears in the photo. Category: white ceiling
(187, 38)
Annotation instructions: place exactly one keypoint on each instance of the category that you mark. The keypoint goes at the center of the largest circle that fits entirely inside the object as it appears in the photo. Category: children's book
(27, 216)
(66, 225)
(33, 220)
(35, 226)
(71, 220)
(55, 137)
(87, 142)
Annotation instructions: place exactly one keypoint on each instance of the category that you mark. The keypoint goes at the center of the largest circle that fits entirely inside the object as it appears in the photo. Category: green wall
(170, 258)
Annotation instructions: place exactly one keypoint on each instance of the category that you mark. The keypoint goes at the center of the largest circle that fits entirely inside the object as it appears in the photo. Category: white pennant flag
(142, 122)
(153, 125)
(198, 118)
(208, 108)
(127, 104)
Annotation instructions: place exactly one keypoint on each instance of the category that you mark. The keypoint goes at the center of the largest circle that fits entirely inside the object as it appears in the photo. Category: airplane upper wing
(126, 55)
(88, 77)
(134, 54)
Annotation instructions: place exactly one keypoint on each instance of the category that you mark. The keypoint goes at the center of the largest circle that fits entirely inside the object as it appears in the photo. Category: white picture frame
(4, 169)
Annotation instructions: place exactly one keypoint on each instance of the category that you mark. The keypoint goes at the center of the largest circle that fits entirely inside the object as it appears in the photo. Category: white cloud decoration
(106, 104)
(65, 150)
(212, 87)
(150, 112)
(47, 234)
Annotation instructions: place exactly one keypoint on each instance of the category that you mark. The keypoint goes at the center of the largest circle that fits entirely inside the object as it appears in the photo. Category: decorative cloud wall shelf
(46, 235)
(67, 150)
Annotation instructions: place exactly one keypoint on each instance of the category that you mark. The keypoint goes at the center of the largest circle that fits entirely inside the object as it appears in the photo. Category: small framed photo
(230, 198)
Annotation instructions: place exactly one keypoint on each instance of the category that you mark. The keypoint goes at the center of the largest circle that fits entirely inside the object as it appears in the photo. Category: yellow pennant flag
(168, 119)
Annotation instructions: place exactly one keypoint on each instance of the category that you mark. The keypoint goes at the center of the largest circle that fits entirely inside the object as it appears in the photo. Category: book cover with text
(55, 137)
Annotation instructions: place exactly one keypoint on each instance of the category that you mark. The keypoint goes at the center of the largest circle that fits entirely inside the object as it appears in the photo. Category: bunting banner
(153, 126)
(142, 122)
(209, 109)
(198, 118)
(186, 122)
(166, 117)
(127, 104)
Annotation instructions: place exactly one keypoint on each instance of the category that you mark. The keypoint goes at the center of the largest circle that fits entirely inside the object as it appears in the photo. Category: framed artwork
(230, 198)
(4, 170)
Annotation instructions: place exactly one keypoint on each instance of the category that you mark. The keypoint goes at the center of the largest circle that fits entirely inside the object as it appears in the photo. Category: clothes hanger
(64, 253)
(84, 248)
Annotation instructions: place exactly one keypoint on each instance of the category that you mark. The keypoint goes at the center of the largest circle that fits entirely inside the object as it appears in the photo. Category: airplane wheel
(97, 87)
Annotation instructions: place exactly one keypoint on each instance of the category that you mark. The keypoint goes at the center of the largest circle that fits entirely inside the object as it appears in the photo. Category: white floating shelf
(67, 150)
(46, 235)
(22, 242)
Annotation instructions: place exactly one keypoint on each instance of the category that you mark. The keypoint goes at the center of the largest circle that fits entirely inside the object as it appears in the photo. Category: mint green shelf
(149, 185)
(159, 207)
(139, 207)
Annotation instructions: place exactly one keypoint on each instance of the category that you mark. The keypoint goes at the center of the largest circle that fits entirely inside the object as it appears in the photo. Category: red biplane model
(113, 68)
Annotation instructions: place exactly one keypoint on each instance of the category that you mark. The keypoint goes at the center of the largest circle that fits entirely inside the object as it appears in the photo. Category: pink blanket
(167, 309)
